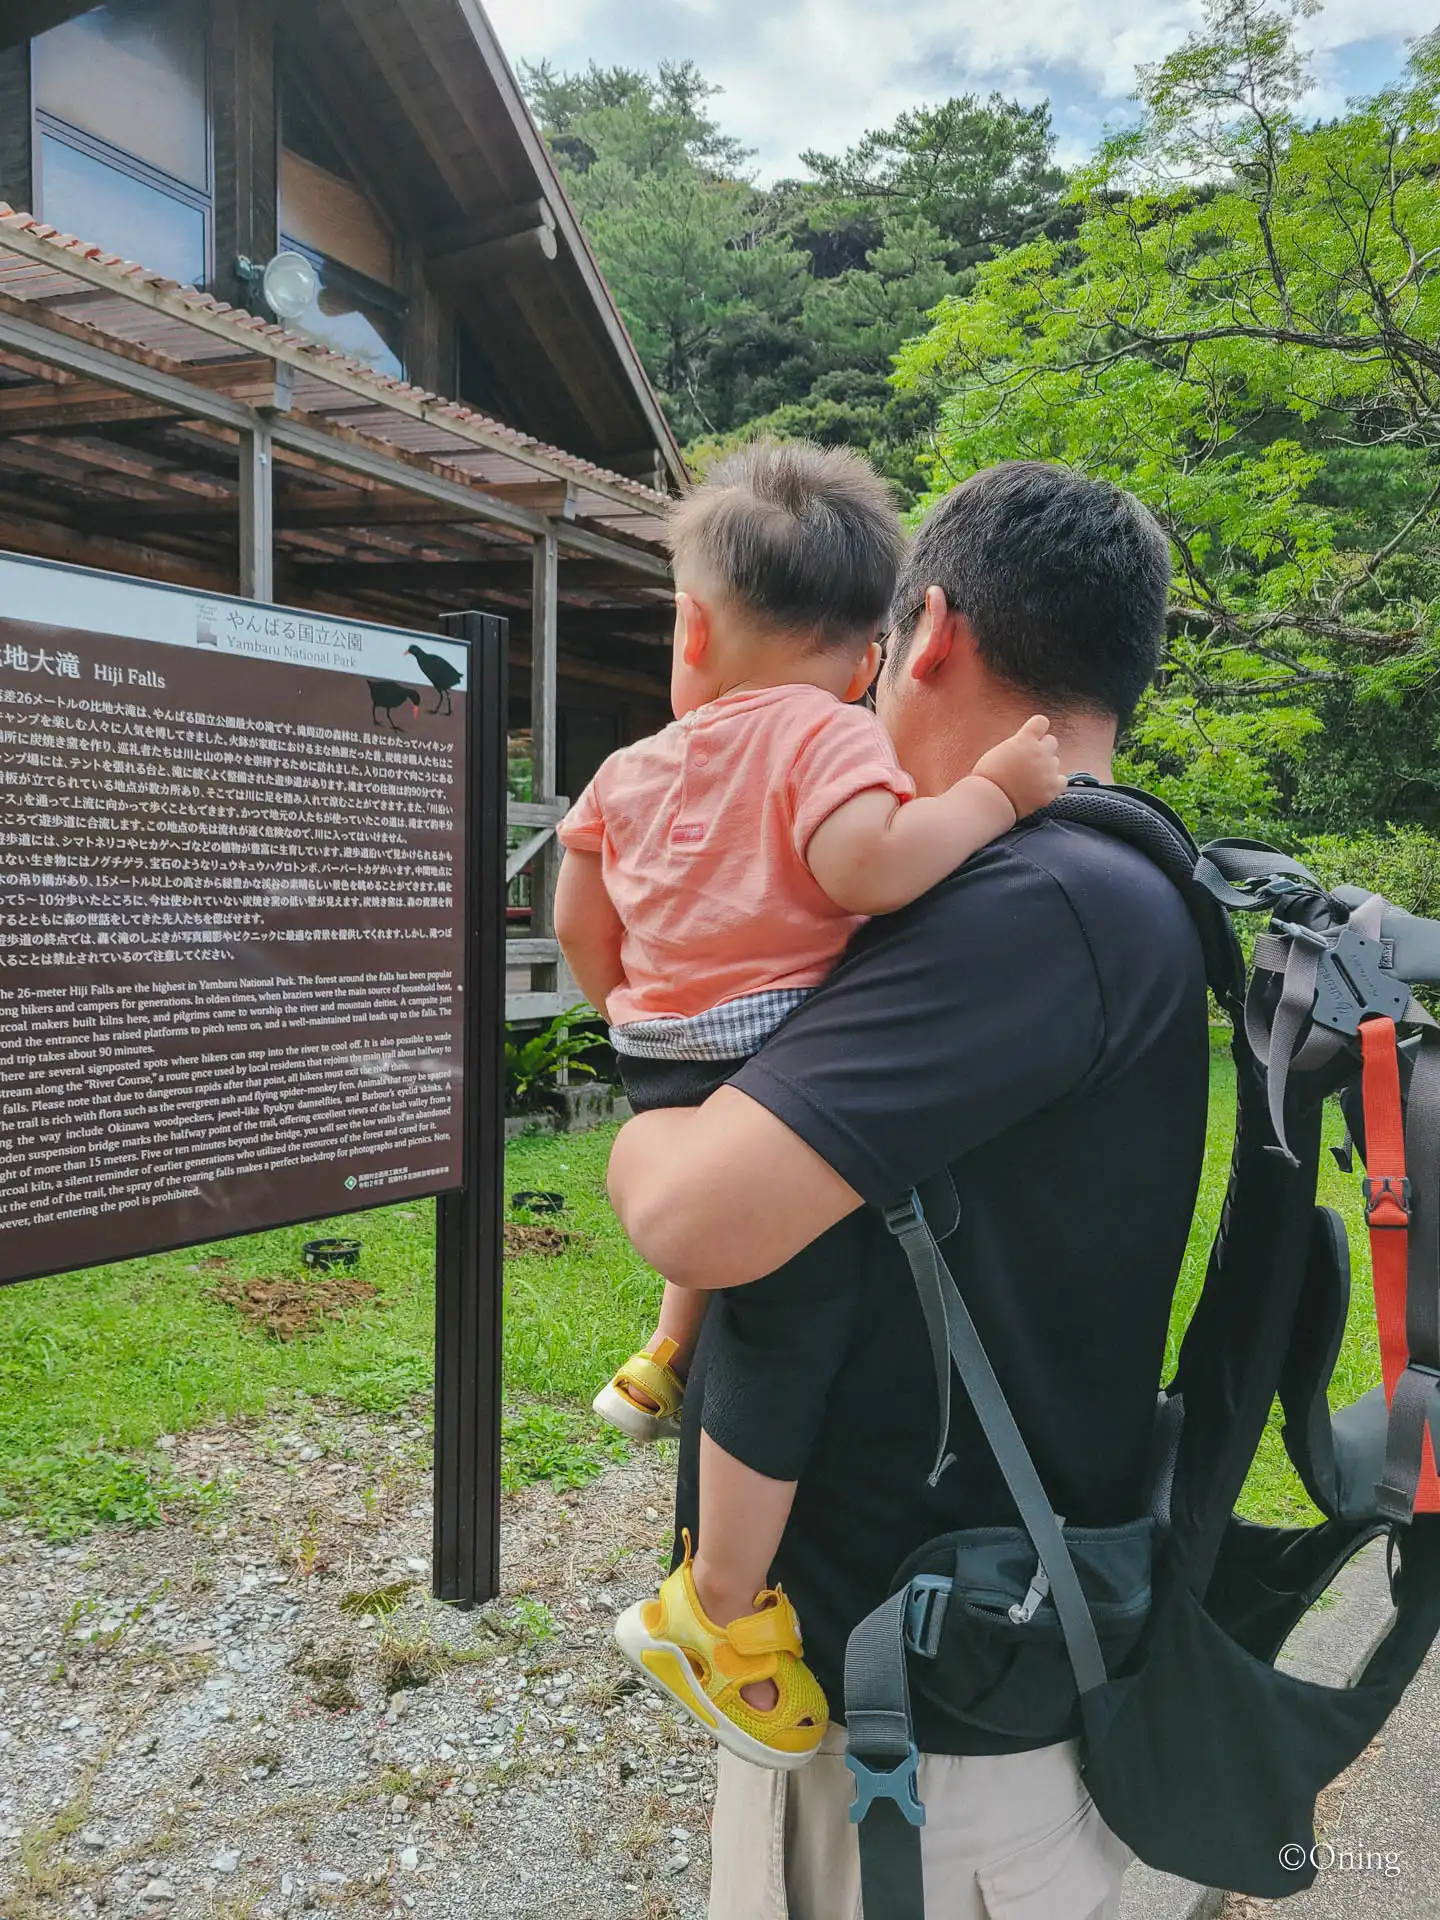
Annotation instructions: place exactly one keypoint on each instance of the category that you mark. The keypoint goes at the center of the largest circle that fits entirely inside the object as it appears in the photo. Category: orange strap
(1387, 1215)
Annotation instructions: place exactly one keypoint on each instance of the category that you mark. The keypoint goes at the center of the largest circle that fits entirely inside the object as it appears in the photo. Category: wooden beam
(50, 542)
(85, 403)
(586, 537)
(333, 507)
(544, 655)
(501, 575)
(257, 514)
(527, 247)
(412, 103)
(65, 406)
(21, 20)
(487, 223)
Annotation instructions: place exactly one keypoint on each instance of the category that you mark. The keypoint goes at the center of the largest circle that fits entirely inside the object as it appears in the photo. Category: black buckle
(905, 1214)
(1387, 1189)
(925, 1608)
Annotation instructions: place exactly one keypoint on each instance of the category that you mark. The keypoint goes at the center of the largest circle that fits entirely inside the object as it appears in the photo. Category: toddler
(712, 877)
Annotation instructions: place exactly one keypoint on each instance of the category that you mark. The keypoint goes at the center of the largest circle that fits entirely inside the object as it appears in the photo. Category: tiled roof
(191, 328)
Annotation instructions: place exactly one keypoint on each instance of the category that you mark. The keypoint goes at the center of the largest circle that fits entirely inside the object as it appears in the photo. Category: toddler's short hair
(802, 536)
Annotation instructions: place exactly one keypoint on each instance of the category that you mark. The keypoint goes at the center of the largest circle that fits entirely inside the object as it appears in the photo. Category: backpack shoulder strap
(1152, 828)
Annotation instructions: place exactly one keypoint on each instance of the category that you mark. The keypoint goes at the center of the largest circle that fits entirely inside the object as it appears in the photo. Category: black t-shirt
(1037, 1024)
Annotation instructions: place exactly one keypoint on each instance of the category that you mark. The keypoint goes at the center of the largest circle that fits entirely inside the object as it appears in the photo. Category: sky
(801, 74)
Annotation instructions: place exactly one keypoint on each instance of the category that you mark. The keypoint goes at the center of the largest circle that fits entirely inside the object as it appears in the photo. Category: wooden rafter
(316, 507)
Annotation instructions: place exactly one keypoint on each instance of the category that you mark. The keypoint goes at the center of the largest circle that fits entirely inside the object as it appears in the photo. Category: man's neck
(1087, 742)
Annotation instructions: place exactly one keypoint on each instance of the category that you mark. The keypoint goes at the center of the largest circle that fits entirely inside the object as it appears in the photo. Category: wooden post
(257, 513)
(469, 1224)
(544, 672)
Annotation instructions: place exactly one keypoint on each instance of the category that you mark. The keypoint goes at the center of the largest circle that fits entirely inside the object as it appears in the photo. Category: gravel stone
(222, 1726)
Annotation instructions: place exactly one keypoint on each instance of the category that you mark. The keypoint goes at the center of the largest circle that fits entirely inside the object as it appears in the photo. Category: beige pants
(1014, 1837)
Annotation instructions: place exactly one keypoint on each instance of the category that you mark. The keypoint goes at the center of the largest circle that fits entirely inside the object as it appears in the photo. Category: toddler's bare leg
(742, 1517)
(682, 1314)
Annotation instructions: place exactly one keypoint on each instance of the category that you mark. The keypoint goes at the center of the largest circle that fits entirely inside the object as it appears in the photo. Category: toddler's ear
(863, 677)
(692, 629)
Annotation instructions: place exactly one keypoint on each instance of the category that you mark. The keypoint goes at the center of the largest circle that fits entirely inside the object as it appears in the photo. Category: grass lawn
(95, 1367)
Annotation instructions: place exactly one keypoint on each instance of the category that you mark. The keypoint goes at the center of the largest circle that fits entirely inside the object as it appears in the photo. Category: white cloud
(816, 73)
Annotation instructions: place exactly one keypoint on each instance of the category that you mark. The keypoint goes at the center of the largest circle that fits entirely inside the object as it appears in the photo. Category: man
(1037, 1024)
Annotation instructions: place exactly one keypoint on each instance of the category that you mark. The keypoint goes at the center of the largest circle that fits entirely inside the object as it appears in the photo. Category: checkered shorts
(732, 1031)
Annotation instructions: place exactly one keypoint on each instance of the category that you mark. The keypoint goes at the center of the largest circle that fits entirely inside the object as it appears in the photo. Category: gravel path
(255, 1709)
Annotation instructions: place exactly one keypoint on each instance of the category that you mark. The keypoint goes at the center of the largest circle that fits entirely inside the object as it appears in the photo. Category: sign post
(469, 1225)
(251, 906)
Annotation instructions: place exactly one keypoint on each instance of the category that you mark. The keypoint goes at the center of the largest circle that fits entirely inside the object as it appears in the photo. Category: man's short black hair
(806, 539)
(1065, 581)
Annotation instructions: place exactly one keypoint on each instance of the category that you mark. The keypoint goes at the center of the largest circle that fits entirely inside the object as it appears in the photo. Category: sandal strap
(774, 1630)
(657, 1381)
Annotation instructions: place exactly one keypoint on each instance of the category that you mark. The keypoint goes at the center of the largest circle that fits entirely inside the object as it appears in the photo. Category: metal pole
(257, 513)
(469, 1224)
(544, 722)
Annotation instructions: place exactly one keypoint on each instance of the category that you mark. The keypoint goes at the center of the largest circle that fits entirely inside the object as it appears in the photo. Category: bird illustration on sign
(386, 697)
(443, 675)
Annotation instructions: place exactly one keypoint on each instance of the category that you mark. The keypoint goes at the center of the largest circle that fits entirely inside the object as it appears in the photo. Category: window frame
(201, 200)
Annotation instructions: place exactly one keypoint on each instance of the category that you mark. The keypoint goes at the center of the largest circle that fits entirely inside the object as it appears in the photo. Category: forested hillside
(787, 305)
(1232, 309)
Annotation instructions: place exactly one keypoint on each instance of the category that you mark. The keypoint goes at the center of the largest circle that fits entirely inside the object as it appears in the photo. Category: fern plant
(532, 1063)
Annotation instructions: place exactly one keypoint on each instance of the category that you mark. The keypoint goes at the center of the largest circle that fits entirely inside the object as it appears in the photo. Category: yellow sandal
(644, 1398)
(680, 1652)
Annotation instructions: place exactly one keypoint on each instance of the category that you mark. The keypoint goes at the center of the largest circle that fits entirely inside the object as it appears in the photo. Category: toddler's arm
(876, 853)
(588, 928)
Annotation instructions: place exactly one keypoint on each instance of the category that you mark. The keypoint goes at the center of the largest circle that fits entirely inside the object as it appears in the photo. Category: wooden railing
(548, 987)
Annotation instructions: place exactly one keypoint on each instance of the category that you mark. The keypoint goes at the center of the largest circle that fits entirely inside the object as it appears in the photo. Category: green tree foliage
(781, 310)
(980, 173)
(1242, 327)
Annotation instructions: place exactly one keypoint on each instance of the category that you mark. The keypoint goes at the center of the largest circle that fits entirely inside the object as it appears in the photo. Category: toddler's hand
(1026, 767)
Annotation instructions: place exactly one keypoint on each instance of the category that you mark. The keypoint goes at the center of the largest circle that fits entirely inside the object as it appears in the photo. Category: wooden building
(159, 416)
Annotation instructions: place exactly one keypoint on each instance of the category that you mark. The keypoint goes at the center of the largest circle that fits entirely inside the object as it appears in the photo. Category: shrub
(1403, 863)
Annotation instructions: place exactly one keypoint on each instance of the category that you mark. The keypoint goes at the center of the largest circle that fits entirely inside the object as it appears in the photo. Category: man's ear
(692, 629)
(940, 635)
(931, 643)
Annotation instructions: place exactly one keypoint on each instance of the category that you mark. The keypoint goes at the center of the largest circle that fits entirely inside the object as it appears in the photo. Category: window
(326, 214)
(122, 132)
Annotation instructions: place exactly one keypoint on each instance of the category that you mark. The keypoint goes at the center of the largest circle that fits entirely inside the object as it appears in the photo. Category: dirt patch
(286, 1309)
(523, 1237)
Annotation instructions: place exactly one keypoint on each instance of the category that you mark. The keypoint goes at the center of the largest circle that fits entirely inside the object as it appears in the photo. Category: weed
(336, 1696)
(328, 1666)
(379, 1601)
(409, 1660)
(301, 1551)
(66, 1493)
(642, 1836)
(526, 1622)
(557, 1444)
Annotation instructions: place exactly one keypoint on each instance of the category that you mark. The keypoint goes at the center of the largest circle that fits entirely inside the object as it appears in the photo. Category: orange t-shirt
(702, 831)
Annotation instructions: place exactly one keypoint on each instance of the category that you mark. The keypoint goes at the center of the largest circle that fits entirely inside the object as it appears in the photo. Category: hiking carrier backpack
(1155, 1643)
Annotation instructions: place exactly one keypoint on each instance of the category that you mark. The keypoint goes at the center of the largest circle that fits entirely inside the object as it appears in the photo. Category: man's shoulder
(1100, 873)
(1052, 883)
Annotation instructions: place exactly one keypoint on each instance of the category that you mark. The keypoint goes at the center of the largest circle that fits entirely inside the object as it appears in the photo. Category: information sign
(233, 869)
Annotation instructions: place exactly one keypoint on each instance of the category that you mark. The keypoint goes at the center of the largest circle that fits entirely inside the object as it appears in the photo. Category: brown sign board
(233, 959)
